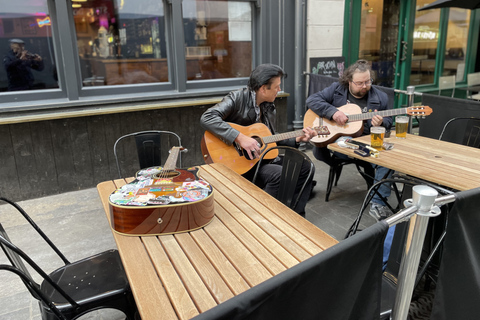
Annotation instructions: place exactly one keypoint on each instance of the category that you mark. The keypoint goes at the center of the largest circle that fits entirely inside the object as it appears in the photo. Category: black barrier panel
(444, 109)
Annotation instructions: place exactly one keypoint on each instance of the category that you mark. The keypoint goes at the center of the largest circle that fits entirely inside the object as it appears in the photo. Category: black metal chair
(462, 130)
(291, 168)
(77, 287)
(151, 149)
(336, 166)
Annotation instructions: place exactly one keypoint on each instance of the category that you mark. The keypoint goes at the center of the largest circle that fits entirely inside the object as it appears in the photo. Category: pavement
(77, 225)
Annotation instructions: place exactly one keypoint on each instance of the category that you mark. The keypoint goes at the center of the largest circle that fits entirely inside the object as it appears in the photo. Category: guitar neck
(171, 162)
(370, 115)
(282, 136)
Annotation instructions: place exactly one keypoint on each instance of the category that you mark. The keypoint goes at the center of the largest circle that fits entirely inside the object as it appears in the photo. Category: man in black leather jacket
(251, 105)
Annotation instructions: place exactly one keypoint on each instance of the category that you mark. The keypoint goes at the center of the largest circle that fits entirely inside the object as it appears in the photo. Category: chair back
(63, 294)
(17, 262)
(446, 83)
(462, 130)
(292, 165)
(473, 79)
(152, 148)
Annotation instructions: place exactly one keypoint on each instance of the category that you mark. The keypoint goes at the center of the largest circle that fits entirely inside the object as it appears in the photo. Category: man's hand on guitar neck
(309, 134)
(249, 144)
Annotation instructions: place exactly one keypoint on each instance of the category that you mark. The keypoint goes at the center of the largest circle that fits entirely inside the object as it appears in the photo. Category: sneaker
(379, 212)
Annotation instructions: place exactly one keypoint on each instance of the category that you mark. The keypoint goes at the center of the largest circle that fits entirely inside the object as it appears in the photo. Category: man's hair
(359, 66)
(264, 75)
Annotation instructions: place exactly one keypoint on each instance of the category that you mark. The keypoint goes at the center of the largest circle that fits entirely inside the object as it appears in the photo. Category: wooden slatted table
(444, 163)
(252, 238)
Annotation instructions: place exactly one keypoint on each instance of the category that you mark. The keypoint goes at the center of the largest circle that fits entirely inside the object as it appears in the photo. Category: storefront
(403, 44)
(95, 52)
(85, 72)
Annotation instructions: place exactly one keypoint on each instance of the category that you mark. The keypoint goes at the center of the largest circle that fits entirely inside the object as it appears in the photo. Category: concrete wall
(324, 28)
(51, 156)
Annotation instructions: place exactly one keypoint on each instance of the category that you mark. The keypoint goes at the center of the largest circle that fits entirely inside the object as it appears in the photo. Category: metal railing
(423, 205)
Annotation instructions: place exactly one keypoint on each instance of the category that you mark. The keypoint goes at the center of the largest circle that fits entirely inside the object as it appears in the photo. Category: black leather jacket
(238, 107)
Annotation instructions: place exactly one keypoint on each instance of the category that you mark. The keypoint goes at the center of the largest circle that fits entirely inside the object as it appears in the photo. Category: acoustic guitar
(331, 131)
(235, 157)
(162, 200)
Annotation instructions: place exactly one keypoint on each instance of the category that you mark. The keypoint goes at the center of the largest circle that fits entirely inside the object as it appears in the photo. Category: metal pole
(410, 92)
(298, 63)
(423, 199)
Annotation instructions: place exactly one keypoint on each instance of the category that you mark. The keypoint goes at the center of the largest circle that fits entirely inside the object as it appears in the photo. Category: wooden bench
(252, 238)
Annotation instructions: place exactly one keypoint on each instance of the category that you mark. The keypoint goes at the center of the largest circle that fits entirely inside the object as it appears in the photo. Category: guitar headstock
(419, 111)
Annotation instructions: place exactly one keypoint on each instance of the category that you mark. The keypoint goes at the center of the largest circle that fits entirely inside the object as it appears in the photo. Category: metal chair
(473, 79)
(150, 147)
(453, 128)
(446, 83)
(77, 287)
(291, 168)
(335, 171)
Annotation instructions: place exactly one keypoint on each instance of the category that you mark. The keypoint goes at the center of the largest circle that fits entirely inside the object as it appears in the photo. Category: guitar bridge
(322, 131)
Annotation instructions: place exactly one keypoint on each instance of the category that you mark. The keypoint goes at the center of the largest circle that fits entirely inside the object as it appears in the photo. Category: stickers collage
(154, 187)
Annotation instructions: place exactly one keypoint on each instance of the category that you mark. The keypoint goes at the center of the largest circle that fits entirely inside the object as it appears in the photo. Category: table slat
(145, 284)
(205, 269)
(178, 294)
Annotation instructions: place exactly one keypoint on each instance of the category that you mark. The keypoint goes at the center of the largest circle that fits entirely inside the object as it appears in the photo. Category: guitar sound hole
(167, 174)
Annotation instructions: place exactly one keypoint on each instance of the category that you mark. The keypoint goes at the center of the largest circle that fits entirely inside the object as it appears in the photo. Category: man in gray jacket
(355, 86)
(250, 105)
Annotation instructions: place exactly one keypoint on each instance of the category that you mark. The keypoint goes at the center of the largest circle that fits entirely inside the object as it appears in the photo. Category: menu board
(328, 66)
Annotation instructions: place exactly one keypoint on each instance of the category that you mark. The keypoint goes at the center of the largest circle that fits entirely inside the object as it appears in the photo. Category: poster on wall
(328, 66)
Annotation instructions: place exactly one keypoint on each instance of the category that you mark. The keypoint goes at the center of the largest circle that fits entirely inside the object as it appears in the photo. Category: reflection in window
(121, 42)
(218, 38)
(26, 46)
(456, 46)
(425, 39)
(378, 36)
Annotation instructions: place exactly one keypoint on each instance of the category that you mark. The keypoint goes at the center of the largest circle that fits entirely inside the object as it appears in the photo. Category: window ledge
(84, 111)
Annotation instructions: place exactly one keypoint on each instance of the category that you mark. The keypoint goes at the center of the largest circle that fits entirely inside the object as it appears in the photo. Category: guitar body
(215, 150)
(332, 129)
(159, 202)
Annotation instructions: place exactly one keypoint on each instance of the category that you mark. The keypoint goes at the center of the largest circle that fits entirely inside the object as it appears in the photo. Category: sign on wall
(327, 66)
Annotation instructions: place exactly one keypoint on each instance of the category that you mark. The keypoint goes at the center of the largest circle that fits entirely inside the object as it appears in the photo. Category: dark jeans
(374, 172)
(269, 176)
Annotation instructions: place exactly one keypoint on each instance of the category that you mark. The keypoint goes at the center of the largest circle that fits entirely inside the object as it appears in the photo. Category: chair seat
(95, 278)
(475, 96)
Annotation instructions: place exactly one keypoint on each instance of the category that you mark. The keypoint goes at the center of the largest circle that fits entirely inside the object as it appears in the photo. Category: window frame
(71, 91)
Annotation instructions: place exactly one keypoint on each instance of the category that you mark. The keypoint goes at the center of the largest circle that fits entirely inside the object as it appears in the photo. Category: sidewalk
(76, 223)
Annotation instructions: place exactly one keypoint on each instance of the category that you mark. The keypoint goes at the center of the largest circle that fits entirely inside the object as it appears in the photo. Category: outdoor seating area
(204, 272)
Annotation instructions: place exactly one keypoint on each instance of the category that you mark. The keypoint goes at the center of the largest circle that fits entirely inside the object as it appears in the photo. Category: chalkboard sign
(328, 66)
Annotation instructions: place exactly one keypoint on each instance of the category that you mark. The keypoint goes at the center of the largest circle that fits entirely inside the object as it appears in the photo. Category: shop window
(425, 41)
(456, 45)
(26, 46)
(218, 38)
(121, 42)
(378, 36)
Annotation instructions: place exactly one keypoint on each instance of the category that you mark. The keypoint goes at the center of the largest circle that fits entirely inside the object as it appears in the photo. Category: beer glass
(401, 127)
(376, 135)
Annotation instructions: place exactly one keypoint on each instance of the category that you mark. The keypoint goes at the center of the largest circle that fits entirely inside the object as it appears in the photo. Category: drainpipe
(298, 66)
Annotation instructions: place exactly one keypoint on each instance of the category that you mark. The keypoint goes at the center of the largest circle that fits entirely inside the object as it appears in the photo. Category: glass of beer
(401, 127)
(376, 135)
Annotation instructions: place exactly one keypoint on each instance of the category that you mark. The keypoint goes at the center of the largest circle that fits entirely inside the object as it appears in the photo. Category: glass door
(378, 38)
